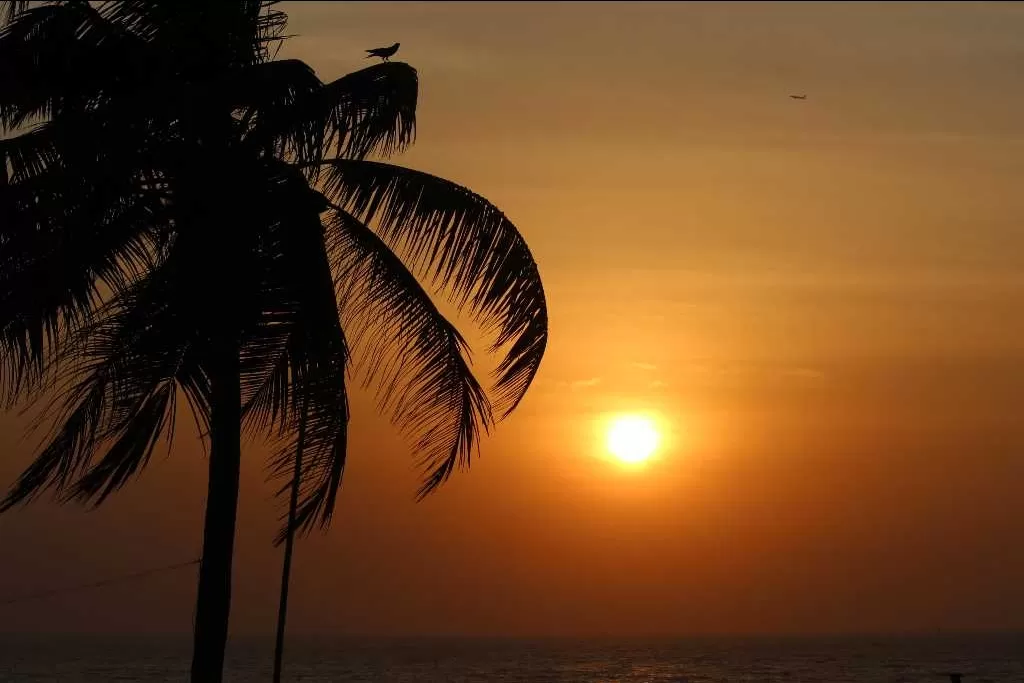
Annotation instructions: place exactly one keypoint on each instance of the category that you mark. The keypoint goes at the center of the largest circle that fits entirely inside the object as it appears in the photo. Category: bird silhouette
(383, 52)
(799, 97)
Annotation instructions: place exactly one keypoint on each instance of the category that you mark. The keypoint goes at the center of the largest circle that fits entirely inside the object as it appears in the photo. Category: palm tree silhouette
(182, 216)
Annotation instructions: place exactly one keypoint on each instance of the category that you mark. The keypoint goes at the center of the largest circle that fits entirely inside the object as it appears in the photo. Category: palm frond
(317, 358)
(208, 35)
(60, 56)
(29, 156)
(414, 357)
(268, 96)
(61, 247)
(290, 247)
(68, 450)
(462, 243)
(371, 111)
(266, 370)
(10, 9)
(111, 381)
(321, 384)
(132, 449)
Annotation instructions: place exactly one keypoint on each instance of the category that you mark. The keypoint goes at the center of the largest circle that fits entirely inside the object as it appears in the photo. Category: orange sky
(824, 300)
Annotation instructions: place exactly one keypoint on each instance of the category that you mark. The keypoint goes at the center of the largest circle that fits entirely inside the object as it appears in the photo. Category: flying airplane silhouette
(383, 52)
(799, 97)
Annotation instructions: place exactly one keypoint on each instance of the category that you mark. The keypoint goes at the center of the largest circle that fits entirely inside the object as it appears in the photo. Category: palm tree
(182, 216)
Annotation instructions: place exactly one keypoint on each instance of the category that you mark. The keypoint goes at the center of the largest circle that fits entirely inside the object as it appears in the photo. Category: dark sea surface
(993, 658)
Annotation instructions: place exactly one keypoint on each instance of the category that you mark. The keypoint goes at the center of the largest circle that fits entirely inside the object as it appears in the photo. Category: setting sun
(632, 439)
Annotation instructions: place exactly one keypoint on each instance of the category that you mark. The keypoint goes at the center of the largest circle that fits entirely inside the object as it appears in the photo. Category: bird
(799, 97)
(383, 52)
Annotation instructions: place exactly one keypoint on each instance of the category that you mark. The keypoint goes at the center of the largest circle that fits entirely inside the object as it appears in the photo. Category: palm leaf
(411, 353)
(64, 244)
(213, 35)
(133, 448)
(61, 56)
(290, 246)
(112, 378)
(317, 359)
(321, 384)
(458, 241)
(267, 96)
(371, 111)
(10, 9)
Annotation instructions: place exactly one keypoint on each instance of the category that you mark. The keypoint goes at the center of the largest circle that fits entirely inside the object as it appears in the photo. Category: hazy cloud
(575, 384)
(805, 373)
(742, 370)
(584, 383)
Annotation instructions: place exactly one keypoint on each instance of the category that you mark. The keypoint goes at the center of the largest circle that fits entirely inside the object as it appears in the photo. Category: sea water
(80, 659)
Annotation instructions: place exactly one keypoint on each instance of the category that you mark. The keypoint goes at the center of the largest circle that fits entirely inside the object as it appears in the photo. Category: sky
(820, 301)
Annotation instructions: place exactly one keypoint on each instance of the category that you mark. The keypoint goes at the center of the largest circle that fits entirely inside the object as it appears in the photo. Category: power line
(96, 584)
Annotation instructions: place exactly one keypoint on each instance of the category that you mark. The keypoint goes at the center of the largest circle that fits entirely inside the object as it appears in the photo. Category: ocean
(982, 658)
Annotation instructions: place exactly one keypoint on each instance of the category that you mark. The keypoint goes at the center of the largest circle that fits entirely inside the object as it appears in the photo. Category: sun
(632, 438)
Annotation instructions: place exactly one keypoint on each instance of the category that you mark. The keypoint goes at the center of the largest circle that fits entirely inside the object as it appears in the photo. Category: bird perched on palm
(385, 53)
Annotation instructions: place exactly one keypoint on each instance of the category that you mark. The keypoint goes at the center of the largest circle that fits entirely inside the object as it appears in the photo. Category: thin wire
(96, 584)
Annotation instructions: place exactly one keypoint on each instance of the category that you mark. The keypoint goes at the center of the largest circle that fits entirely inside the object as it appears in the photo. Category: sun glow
(632, 439)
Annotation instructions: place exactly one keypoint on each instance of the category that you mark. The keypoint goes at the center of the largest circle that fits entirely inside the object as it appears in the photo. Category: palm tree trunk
(289, 542)
(213, 600)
